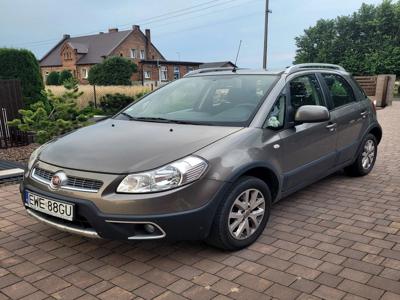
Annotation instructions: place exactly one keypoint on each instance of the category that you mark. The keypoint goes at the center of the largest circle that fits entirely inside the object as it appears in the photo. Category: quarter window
(276, 117)
(305, 90)
(341, 92)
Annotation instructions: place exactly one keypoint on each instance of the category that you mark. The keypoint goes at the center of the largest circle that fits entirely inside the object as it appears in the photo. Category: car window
(341, 92)
(276, 117)
(305, 90)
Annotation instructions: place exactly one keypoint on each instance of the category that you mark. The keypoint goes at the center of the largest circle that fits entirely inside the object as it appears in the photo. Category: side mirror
(312, 114)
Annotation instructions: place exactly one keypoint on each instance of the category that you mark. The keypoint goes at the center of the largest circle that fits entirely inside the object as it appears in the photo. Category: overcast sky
(210, 31)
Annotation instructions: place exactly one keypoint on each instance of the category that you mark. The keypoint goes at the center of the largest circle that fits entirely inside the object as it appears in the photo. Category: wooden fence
(368, 83)
(10, 103)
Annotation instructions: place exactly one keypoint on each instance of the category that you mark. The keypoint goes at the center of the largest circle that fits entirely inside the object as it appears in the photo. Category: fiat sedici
(204, 157)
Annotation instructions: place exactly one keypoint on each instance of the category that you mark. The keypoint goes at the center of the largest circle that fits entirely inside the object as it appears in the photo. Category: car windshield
(227, 100)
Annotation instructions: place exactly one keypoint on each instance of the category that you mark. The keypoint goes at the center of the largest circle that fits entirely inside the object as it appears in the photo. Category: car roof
(315, 67)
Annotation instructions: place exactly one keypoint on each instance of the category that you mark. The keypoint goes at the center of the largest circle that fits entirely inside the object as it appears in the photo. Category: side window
(341, 92)
(305, 90)
(276, 117)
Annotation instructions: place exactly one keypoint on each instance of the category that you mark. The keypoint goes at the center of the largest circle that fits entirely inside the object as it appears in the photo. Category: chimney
(111, 30)
(135, 27)
(66, 36)
(148, 43)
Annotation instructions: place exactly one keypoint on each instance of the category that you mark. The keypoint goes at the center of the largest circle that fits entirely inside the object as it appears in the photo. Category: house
(79, 54)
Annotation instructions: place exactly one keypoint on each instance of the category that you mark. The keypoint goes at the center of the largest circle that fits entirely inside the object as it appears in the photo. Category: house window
(133, 53)
(84, 73)
(164, 73)
(190, 69)
(147, 74)
(176, 72)
(142, 54)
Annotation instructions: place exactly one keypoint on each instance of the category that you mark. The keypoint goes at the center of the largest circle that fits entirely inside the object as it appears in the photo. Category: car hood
(120, 146)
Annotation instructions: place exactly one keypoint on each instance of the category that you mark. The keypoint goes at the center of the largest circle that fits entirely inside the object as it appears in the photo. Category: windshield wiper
(163, 120)
(128, 116)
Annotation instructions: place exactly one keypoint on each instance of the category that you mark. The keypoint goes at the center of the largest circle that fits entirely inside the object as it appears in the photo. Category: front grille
(75, 183)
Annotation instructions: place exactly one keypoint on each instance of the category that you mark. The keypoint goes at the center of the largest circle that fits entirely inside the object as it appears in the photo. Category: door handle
(364, 114)
(331, 127)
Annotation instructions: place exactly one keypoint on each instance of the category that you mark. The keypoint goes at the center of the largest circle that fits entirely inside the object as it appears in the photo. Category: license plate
(51, 207)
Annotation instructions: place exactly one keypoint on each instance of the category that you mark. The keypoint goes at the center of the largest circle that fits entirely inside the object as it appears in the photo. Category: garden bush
(60, 116)
(53, 78)
(64, 75)
(110, 104)
(22, 64)
(112, 71)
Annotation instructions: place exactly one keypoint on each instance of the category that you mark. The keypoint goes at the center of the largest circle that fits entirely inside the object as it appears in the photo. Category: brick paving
(337, 239)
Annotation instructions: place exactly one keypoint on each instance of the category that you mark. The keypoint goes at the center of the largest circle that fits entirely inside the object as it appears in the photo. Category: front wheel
(242, 216)
(366, 158)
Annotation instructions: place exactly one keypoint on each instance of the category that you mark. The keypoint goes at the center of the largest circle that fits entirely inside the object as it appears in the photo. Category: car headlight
(34, 156)
(173, 175)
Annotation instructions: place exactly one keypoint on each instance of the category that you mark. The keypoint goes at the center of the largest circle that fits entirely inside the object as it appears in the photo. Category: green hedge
(22, 64)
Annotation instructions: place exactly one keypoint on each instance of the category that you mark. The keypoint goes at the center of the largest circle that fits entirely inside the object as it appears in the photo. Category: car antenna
(237, 55)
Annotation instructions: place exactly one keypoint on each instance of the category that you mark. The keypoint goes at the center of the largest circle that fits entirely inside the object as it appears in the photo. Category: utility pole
(267, 12)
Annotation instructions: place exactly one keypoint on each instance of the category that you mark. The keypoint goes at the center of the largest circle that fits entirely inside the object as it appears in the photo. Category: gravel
(18, 154)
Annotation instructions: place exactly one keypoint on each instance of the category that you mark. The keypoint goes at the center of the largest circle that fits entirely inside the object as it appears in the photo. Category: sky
(199, 30)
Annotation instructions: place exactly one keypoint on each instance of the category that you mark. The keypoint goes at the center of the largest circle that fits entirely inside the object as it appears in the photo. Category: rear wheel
(242, 217)
(366, 158)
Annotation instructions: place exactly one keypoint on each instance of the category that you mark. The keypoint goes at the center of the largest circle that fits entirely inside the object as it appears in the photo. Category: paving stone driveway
(337, 239)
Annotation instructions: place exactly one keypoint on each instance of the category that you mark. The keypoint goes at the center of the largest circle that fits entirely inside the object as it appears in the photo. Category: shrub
(112, 71)
(53, 78)
(64, 75)
(60, 116)
(110, 104)
(22, 64)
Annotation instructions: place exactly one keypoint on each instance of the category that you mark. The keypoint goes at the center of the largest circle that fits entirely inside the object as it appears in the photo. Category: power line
(51, 41)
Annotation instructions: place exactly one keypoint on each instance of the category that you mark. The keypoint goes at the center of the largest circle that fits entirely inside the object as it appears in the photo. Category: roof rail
(301, 67)
(208, 70)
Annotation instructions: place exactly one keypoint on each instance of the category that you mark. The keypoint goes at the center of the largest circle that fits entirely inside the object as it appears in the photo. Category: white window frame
(84, 73)
(164, 73)
(142, 54)
(147, 74)
(133, 53)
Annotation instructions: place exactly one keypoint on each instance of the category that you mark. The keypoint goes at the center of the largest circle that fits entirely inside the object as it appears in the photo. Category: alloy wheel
(246, 214)
(368, 154)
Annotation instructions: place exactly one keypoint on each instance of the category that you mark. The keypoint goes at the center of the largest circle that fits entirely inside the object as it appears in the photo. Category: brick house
(79, 54)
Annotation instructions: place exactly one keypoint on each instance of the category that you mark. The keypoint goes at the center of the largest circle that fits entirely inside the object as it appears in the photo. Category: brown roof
(94, 47)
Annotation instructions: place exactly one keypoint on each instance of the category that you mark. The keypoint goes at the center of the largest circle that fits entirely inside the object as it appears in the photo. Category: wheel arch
(377, 132)
(266, 173)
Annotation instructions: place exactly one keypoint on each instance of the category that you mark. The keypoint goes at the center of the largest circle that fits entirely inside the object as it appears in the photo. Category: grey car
(204, 157)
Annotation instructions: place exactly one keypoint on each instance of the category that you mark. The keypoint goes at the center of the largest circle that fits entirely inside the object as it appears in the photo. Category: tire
(221, 235)
(360, 167)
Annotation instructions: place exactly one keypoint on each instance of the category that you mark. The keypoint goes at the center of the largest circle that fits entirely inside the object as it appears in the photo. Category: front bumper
(90, 221)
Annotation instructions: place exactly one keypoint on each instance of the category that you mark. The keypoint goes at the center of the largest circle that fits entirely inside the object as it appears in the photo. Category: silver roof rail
(301, 67)
(208, 70)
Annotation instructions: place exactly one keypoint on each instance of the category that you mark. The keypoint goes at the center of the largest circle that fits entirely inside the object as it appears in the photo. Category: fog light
(149, 228)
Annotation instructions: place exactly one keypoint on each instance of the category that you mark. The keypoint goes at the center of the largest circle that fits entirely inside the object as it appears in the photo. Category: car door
(308, 149)
(348, 114)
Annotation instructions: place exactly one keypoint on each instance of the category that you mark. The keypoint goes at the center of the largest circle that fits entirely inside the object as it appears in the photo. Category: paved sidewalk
(337, 239)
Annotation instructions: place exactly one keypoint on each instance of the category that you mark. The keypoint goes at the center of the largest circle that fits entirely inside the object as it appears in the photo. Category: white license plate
(54, 208)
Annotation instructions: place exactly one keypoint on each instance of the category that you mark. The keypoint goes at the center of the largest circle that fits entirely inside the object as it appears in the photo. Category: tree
(112, 71)
(53, 78)
(365, 43)
(22, 64)
(60, 116)
(65, 75)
